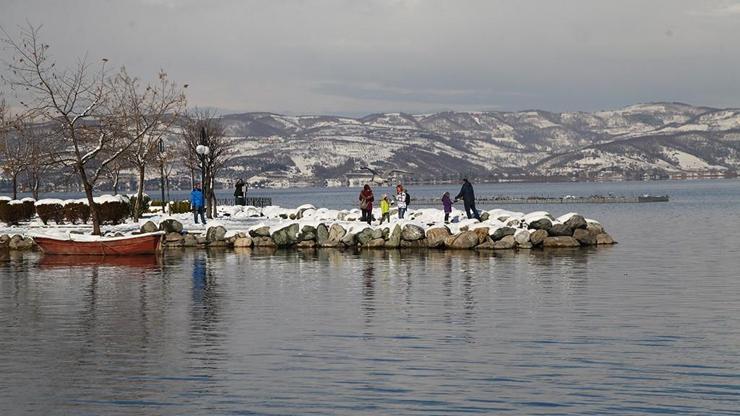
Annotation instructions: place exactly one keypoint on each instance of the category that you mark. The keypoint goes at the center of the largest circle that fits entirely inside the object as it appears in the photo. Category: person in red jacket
(366, 204)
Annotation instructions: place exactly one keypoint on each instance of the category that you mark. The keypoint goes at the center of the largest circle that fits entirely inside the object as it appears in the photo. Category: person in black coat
(468, 196)
(239, 193)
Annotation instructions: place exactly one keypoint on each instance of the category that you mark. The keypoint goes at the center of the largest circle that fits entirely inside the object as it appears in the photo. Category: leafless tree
(202, 127)
(145, 114)
(94, 132)
(14, 155)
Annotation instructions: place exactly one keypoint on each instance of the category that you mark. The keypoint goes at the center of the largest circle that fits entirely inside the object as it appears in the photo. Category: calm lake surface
(649, 326)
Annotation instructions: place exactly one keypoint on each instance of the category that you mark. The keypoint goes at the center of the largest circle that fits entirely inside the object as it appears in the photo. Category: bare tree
(203, 128)
(93, 132)
(146, 114)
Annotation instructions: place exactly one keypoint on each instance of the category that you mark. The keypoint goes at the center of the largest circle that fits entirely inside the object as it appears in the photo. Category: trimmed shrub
(48, 210)
(76, 211)
(146, 199)
(29, 208)
(179, 207)
(13, 212)
(113, 209)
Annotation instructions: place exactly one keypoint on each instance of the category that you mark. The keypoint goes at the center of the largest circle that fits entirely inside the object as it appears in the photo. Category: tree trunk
(161, 185)
(15, 186)
(139, 194)
(90, 199)
(35, 184)
(116, 179)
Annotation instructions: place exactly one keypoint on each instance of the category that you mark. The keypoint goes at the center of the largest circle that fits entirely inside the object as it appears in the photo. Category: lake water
(649, 326)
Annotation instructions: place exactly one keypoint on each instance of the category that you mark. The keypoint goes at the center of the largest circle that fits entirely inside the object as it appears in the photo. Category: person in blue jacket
(197, 203)
(468, 197)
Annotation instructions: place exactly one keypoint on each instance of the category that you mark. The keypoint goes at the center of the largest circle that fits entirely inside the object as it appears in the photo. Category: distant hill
(656, 139)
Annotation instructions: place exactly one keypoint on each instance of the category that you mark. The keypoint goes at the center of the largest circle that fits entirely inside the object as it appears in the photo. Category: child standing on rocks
(447, 205)
(385, 207)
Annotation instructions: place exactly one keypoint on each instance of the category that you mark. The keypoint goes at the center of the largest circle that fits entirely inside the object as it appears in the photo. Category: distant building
(358, 179)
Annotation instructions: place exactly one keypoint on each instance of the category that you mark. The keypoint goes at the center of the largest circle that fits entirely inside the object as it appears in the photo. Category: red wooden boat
(149, 243)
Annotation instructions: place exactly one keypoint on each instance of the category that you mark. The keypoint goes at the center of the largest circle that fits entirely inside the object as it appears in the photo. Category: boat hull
(130, 246)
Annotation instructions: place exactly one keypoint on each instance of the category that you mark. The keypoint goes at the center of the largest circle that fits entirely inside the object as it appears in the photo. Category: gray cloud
(355, 57)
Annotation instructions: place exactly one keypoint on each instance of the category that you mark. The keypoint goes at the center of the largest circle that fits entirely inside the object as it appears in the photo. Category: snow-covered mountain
(656, 138)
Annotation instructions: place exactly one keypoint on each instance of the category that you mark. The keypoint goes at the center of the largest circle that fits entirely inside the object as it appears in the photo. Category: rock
(595, 227)
(149, 227)
(485, 216)
(465, 240)
(217, 233)
(336, 232)
(200, 240)
(537, 237)
(561, 242)
(173, 237)
(18, 242)
(243, 242)
(394, 239)
(302, 209)
(486, 245)
(422, 243)
(322, 234)
(217, 243)
(263, 242)
(364, 236)
(377, 233)
(482, 233)
(260, 232)
(412, 232)
(386, 233)
(585, 237)
(541, 224)
(604, 238)
(170, 226)
(526, 245)
(576, 222)
(560, 230)
(349, 239)
(306, 244)
(506, 243)
(436, 236)
(308, 232)
(4, 240)
(286, 236)
(503, 232)
(521, 236)
(189, 240)
(375, 243)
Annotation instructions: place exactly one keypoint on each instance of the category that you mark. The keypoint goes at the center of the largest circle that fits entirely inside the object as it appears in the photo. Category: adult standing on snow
(402, 200)
(366, 203)
(197, 203)
(468, 196)
(239, 193)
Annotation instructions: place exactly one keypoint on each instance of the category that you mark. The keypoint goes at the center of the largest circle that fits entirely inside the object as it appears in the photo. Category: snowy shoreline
(308, 226)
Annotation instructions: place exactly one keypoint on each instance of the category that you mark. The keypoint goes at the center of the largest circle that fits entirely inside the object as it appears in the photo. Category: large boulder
(336, 232)
(502, 232)
(604, 238)
(482, 233)
(189, 240)
(375, 243)
(436, 236)
(217, 233)
(484, 216)
(560, 230)
(18, 242)
(243, 242)
(4, 240)
(306, 244)
(349, 239)
(394, 239)
(263, 242)
(540, 224)
(594, 227)
(263, 231)
(536, 237)
(286, 236)
(576, 222)
(322, 234)
(521, 236)
(364, 236)
(486, 245)
(308, 232)
(465, 240)
(506, 243)
(412, 232)
(173, 237)
(414, 244)
(561, 242)
(378, 233)
(150, 227)
(170, 226)
(585, 237)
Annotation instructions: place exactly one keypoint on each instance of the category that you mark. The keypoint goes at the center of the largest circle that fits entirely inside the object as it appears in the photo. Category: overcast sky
(358, 56)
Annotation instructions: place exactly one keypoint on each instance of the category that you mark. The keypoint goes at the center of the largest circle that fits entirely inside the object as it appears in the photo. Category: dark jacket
(466, 193)
(196, 199)
(367, 196)
(239, 188)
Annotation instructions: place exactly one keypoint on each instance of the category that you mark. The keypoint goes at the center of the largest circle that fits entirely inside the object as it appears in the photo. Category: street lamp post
(202, 150)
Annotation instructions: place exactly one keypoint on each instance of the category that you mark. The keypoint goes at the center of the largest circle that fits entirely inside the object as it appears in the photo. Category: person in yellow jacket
(385, 207)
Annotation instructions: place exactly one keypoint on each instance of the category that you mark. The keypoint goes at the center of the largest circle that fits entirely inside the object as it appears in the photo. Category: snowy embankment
(308, 226)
